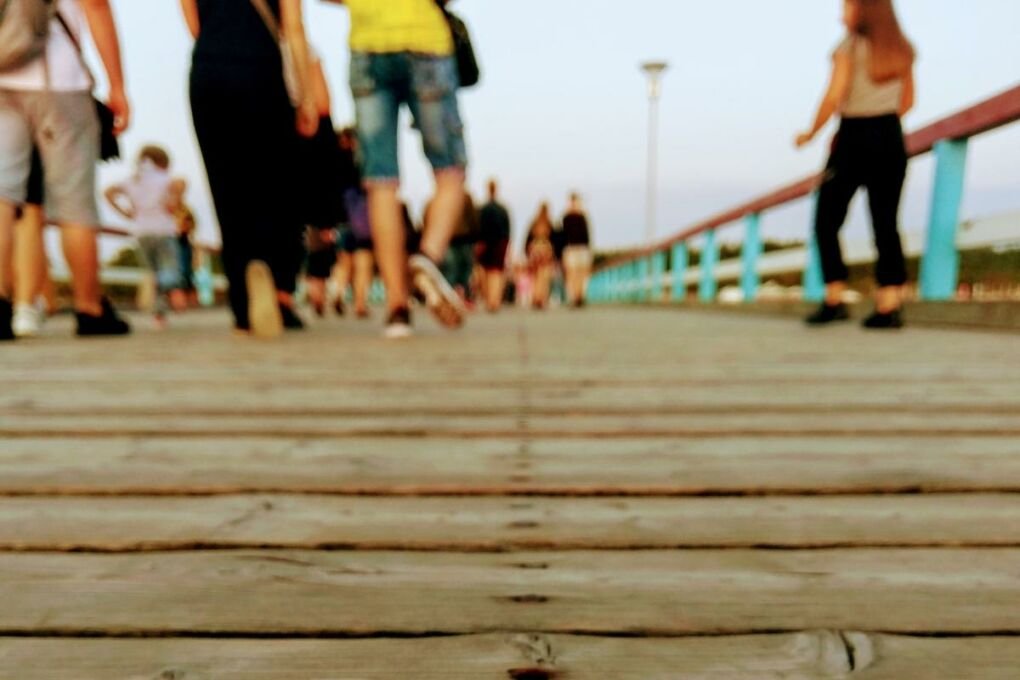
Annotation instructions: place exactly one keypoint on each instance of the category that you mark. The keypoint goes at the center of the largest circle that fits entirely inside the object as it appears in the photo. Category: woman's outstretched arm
(839, 88)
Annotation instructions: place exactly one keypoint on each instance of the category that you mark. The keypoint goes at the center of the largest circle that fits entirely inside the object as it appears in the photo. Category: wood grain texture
(823, 655)
(407, 466)
(500, 524)
(643, 592)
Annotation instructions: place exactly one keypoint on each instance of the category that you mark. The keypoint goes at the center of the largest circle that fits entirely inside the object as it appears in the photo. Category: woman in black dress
(249, 132)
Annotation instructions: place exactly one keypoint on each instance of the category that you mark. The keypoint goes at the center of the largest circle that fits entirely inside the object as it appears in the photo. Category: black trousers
(869, 153)
(246, 130)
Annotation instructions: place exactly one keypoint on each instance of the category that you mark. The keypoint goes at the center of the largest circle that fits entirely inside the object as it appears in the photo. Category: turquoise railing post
(709, 259)
(814, 279)
(643, 273)
(940, 265)
(204, 280)
(658, 274)
(680, 259)
(750, 254)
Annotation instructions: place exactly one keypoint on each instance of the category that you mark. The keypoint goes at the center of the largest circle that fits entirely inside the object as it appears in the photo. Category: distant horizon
(568, 111)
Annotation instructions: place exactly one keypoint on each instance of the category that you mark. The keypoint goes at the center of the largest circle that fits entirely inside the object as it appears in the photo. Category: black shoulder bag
(464, 50)
(109, 147)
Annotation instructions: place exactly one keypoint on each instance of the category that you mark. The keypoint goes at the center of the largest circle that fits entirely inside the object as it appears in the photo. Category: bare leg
(571, 276)
(7, 213)
(29, 256)
(390, 244)
(364, 267)
(888, 299)
(447, 210)
(494, 288)
(81, 250)
(543, 281)
(834, 293)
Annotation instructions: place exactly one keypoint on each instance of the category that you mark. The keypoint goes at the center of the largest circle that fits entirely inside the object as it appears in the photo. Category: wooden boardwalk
(619, 494)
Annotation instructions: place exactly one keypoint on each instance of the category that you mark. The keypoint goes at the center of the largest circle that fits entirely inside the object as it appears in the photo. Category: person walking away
(248, 129)
(402, 53)
(541, 255)
(353, 258)
(872, 88)
(459, 266)
(149, 200)
(323, 164)
(184, 217)
(577, 253)
(495, 233)
(46, 103)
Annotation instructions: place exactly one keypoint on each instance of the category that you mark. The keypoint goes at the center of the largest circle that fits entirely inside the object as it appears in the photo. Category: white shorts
(577, 257)
(65, 129)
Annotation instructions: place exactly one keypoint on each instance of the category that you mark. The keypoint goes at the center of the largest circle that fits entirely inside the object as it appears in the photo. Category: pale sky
(563, 105)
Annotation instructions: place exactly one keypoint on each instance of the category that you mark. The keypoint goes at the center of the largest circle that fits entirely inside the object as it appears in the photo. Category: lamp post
(654, 70)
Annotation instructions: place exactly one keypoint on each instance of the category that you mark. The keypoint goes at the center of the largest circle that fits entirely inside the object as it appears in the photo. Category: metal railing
(643, 277)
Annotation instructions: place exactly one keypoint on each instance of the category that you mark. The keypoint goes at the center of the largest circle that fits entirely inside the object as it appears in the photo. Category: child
(150, 199)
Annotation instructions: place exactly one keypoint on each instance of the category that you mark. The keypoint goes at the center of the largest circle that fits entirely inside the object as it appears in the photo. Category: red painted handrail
(993, 113)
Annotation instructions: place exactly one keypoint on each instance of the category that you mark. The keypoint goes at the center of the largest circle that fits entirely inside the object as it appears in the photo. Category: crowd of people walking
(290, 192)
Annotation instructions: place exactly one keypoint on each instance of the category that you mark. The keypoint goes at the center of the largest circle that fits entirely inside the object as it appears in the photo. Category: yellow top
(387, 26)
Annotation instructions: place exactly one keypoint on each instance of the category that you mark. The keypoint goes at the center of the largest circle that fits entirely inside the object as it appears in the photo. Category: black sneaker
(291, 321)
(106, 324)
(338, 307)
(884, 321)
(827, 314)
(398, 325)
(6, 316)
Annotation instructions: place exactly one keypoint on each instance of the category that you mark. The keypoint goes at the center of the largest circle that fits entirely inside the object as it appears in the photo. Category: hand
(308, 118)
(118, 103)
(804, 138)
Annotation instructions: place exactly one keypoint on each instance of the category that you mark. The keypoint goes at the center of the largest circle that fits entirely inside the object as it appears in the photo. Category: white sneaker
(440, 297)
(27, 321)
(398, 326)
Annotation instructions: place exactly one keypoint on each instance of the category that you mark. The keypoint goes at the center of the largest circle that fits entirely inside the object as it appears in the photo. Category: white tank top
(868, 99)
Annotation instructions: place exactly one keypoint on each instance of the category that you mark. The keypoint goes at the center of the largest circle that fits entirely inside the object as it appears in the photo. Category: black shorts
(349, 242)
(492, 256)
(35, 192)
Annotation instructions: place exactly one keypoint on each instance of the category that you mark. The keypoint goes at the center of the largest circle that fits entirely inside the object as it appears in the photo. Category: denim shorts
(381, 84)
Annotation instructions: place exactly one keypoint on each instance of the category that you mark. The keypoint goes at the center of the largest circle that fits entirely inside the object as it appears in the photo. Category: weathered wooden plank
(165, 464)
(492, 524)
(799, 656)
(834, 424)
(345, 400)
(644, 592)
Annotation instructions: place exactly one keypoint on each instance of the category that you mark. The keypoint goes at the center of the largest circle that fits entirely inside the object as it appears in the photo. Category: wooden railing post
(750, 253)
(709, 260)
(940, 266)
(680, 259)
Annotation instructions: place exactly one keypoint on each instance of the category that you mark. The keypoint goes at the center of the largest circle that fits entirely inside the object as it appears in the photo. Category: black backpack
(24, 31)
(467, 62)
